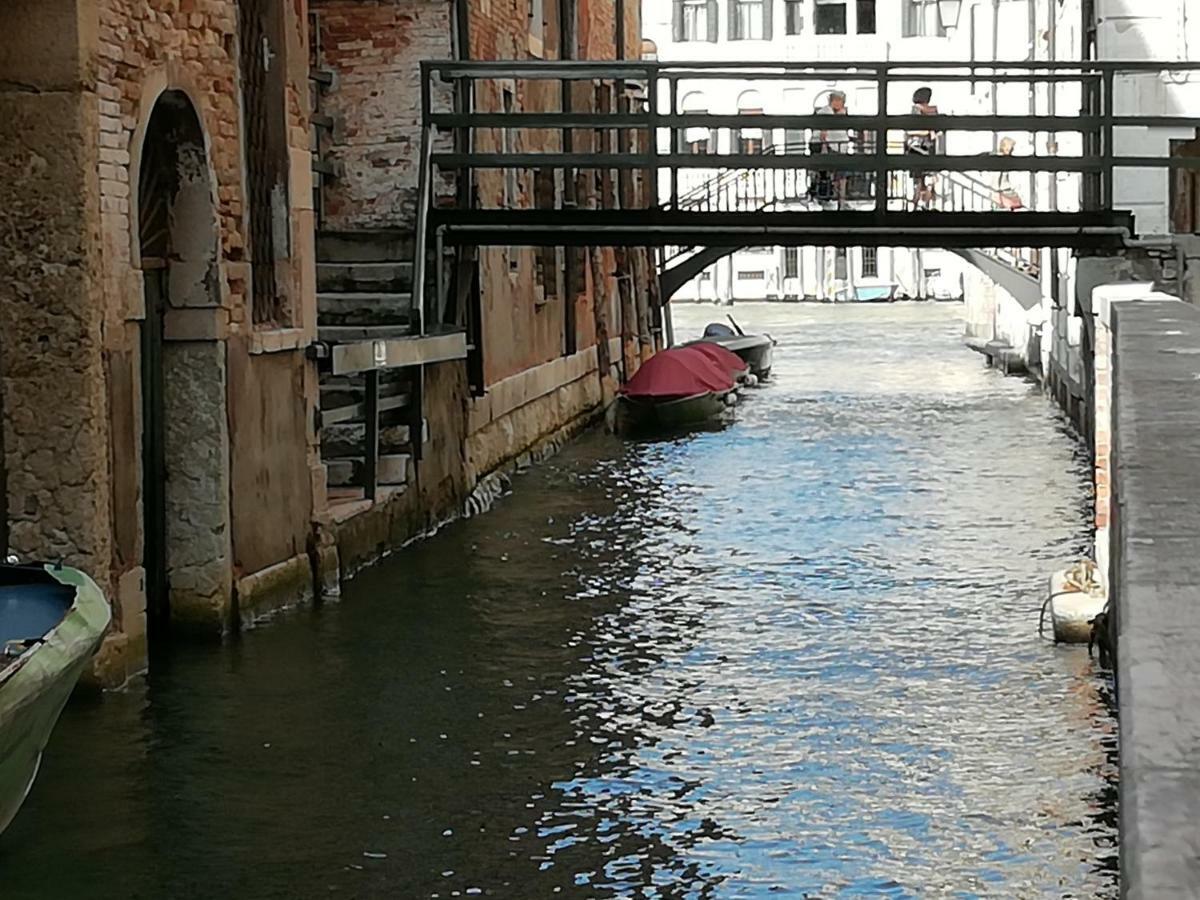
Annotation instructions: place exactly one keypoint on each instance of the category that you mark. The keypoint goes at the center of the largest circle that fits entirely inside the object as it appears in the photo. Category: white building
(741, 31)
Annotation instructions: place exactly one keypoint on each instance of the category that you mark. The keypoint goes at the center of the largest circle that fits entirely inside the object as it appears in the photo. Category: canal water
(796, 657)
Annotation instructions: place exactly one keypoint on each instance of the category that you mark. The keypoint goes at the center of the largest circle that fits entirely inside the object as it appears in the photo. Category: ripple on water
(793, 657)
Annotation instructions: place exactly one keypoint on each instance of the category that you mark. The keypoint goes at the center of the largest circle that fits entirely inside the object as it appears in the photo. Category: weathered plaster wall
(376, 49)
(270, 487)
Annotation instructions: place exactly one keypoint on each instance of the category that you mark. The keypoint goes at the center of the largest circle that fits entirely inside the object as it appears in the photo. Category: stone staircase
(364, 292)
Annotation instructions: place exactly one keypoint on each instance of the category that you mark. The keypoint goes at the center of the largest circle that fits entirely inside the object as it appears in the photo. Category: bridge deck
(830, 228)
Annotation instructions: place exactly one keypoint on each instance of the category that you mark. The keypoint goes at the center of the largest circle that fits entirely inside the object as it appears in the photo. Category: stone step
(365, 277)
(364, 246)
(338, 308)
(346, 439)
(345, 391)
(393, 468)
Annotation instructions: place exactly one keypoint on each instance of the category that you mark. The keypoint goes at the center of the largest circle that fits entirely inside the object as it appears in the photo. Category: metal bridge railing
(655, 116)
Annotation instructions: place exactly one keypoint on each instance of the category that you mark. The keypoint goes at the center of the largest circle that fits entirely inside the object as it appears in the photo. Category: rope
(1081, 578)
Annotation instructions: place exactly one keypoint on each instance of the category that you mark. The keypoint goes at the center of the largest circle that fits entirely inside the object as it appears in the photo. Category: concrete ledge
(277, 587)
(525, 387)
(1155, 573)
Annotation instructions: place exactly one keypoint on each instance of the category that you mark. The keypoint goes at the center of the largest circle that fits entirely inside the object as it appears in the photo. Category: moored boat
(677, 388)
(725, 359)
(757, 350)
(52, 619)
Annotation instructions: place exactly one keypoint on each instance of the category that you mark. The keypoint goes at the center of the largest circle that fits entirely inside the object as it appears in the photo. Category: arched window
(697, 139)
(751, 140)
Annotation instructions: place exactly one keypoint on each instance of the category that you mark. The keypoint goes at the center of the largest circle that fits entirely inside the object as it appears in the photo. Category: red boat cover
(678, 372)
(726, 359)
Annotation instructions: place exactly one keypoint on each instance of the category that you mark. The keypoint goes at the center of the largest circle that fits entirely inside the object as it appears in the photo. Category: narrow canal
(796, 657)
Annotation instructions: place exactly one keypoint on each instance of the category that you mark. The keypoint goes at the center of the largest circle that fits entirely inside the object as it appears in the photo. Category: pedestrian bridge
(634, 174)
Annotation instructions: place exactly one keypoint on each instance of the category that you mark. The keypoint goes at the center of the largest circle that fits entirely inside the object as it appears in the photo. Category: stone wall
(1155, 566)
(52, 394)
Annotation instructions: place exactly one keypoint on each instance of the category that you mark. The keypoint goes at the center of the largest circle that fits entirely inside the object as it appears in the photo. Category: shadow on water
(796, 656)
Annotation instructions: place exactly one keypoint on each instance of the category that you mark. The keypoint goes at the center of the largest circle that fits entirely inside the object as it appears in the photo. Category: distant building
(829, 31)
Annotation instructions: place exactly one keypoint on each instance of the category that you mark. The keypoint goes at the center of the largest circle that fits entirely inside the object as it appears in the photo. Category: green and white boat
(52, 619)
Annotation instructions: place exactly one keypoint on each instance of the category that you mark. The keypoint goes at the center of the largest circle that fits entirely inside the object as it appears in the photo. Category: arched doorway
(185, 502)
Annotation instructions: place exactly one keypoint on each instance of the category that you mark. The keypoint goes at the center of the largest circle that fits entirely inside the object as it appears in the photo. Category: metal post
(371, 437)
(995, 56)
(424, 180)
(652, 108)
(881, 142)
(673, 97)
(416, 422)
(1106, 175)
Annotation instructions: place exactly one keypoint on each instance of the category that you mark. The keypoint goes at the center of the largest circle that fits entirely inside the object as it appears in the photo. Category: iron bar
(895, 162)
(371, 434)
(941, 122)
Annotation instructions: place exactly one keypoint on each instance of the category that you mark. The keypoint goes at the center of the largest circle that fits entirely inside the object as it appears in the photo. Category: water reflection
(793, 657)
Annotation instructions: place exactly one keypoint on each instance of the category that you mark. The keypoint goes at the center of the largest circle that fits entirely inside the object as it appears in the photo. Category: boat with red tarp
(725, 359)
(675, 388)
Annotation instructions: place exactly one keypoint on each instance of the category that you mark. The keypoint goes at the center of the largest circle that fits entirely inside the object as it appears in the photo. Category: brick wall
(375, 49)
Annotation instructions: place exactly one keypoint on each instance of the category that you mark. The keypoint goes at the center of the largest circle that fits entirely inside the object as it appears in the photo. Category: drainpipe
(995, 57)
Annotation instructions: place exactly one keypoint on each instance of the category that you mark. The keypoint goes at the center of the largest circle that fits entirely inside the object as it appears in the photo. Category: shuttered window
(695, 20)
(750, 20)
(265, 131)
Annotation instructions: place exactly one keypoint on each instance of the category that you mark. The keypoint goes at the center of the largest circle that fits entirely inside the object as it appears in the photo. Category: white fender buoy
(1076, 597)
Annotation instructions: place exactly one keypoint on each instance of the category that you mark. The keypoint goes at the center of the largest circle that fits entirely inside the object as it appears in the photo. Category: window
(749, 20)
(866, 16)
(922, 19)
(756, 275)
(697, 140)
(695, 20)
(266, 155)
(791, 262)
(750, 140)
(839, 262)
(793, 11)
(870, 262)
(830, 17)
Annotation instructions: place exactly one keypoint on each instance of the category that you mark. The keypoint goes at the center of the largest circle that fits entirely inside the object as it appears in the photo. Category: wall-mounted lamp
(948, 10)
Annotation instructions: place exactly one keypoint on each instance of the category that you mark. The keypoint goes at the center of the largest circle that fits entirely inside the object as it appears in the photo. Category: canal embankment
(790, 656)
(1147, 404)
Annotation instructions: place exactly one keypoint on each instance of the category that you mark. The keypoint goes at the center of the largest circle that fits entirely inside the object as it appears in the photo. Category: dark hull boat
(757, 350)
(52, 619)
(670, 413)
(677, 389)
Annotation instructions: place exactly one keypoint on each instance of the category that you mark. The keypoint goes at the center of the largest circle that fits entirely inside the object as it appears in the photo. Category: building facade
(172, 174)
(157, 300)
(551, 330)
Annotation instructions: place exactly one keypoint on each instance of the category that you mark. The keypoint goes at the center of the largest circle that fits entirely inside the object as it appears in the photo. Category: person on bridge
(1006, 195)
(922, 143)
(833, 140)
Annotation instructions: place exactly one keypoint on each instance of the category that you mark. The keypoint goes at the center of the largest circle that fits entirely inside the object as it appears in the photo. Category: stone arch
(185, 439)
